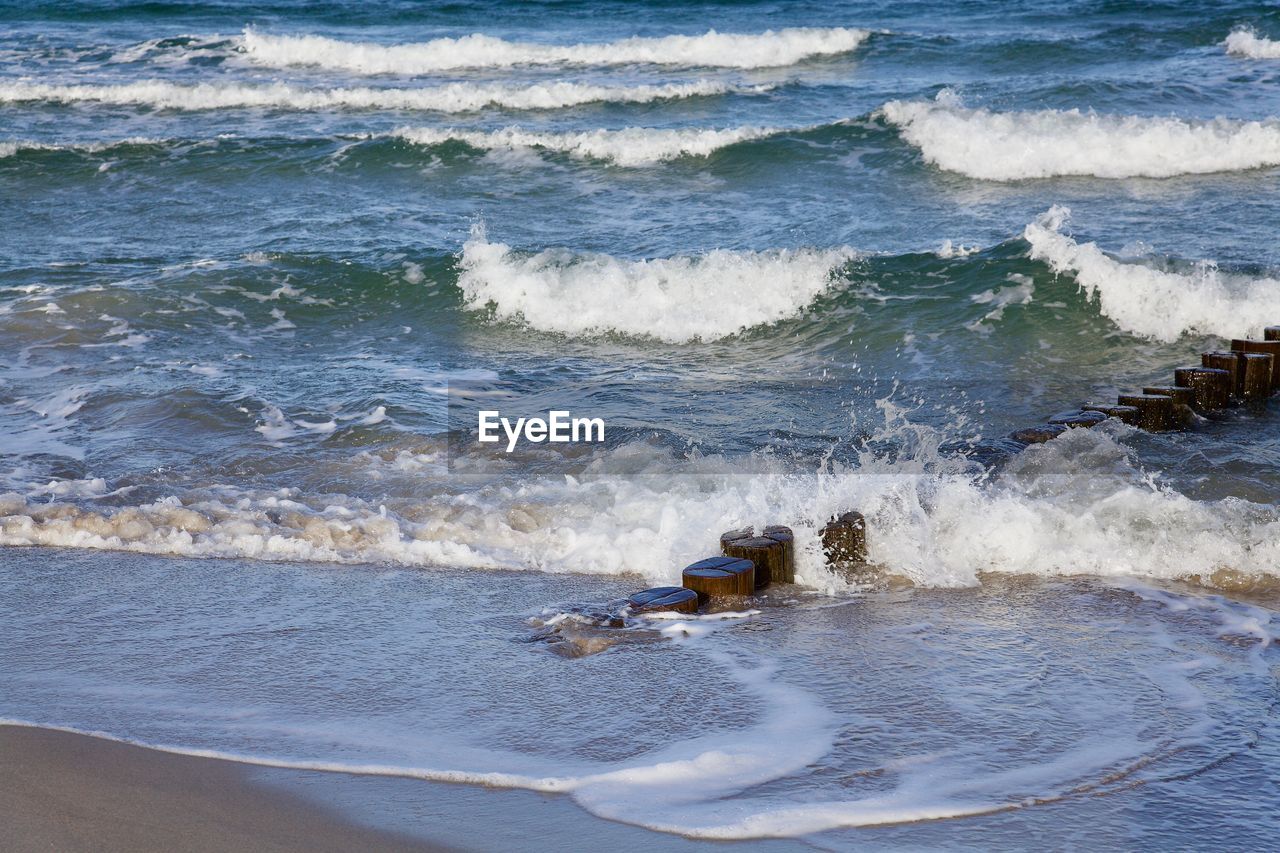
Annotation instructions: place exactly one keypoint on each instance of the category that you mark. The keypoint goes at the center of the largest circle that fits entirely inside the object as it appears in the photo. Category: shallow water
(1102, 712)
(823, 258)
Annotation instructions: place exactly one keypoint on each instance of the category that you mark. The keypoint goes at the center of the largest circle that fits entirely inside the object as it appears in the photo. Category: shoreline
(61, 790)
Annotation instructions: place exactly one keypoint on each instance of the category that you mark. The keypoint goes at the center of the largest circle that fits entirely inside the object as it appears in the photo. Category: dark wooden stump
(1271, 333)
(720, 577)
(784, 536)
(1082, 418)
(740, 533)
(1155, 411)
(844, 540)
(1038, 434)
(1256, 371)
(1271, 348)
(1128, 414)
(1183, 400)
(662, 598)
(1228, 361)
(766, 554)
(1212, 387)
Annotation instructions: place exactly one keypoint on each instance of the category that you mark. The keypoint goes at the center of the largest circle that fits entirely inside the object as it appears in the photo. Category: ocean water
(805, 257)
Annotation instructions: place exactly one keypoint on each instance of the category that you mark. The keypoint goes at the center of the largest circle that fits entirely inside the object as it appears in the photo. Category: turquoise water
(805, 257)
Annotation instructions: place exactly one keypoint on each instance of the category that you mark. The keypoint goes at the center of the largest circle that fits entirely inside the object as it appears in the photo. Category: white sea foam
(1247, 43)
(711, 49)
(1160, 304)
(675, 299)
(1076, 505)
(1046, 143)
(10, 148)
(632, 146)
(449, 98)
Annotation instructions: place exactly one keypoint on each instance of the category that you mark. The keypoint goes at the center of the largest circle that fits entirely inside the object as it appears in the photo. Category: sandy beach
(63, 791)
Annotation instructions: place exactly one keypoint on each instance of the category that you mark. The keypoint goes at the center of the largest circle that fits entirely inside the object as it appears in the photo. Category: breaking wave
(632, 146)
(450, 98)
(711, 49)
(1076, 505)
(677, 299)
(1243, 42)
(1160, 304)
(1048, 143)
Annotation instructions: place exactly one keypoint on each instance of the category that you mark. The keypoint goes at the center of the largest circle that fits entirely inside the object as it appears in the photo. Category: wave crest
(450, 98)
(1156, 303)
(1247, 43)
(677, 299)
(1048, 143)
(632, 146)
(711, 49)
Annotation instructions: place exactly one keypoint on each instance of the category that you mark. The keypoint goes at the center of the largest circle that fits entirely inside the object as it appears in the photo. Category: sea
(802, 258)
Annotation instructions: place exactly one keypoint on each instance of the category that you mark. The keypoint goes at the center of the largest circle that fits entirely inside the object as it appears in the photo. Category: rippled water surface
(805, 257)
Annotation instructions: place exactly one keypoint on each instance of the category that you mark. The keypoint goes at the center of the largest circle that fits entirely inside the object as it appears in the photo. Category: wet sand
(70, 792)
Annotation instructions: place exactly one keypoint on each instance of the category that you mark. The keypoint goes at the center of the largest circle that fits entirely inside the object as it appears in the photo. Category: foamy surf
(711, 49)
(449, 98)
(1159, 304)
(1013, 146)
(1077, 505)
(677, 299)
(632, 146)
(1247, 43)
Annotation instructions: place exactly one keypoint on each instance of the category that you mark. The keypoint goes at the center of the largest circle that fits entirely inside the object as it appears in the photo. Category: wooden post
(1229, 362)
(1183, 400)
(1256, 370)
(720, 577)
(1212, 386)
(661, 598)
(1155, 411)
(1271, 333)
(783, 535)
(1082, 418)
(1128, 414)
(767, 554)
(1271, 347)
(1038, 434)
(844, 539)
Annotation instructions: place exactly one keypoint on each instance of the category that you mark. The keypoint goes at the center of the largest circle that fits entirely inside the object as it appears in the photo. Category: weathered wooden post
(766, 553)
(1256, 371)
(1074, 420)
(1272, 348)
(661, 598)
(720, 577)
(1212, 386)
(1228, 361)
(785, 537)
(1183, 400)
(1128, 414)
(1271, 333)
(1155, 411)
(844, 539)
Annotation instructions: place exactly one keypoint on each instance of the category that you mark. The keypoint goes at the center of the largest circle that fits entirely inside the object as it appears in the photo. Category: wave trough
(1013, 146)
(711, 49)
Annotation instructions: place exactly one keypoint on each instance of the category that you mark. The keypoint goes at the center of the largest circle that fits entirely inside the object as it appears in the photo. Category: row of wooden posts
(1246, 374)
(748, 564)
